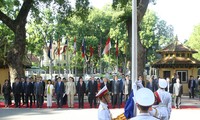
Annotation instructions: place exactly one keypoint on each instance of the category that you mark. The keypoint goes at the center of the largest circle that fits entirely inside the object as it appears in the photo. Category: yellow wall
(191, 71)
(3, 75)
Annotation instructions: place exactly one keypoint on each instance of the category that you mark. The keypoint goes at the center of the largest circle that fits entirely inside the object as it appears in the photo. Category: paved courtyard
(90, 114)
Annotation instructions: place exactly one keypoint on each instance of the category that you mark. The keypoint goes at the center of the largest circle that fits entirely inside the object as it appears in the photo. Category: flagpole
(51, 68)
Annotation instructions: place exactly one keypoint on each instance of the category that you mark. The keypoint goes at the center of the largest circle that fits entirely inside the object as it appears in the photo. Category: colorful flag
(75, 45)
(49, 49)
(83, 48)
(91, 51)
(130, 108)
(65, 46)
(117, 50)
(107, 47)
(58, 47)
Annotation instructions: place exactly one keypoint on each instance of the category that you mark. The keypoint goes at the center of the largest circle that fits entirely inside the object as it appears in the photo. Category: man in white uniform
(144, 98)
(163, 109)
(103, 111)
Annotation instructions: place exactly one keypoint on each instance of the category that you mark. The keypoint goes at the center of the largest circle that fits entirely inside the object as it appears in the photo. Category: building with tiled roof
(177, 58)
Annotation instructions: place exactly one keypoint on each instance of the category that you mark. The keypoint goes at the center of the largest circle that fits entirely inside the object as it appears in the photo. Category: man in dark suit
(177, 92)
(17, 91)
(59, 91)
(127, 87)
(81, 89)
(191, 86)
(22, 96)
(43, 84)
(38, 91)
(32, 80)
(28, 92)
(116, 91)
(92, 91)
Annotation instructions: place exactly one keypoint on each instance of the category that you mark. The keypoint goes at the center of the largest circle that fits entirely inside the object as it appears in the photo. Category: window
(183, 75)
(183, 55)
(177, 55)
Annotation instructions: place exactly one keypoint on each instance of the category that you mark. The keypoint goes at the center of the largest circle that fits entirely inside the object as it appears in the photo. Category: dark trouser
(6, 97)
(39, 100)
(65, 100)
(23, 98)
(17, 100)
(92, 98)
(33, 99)
(116, 100)
(59, 100)
(177, 101)
(126, 96)
(191, 93)
(121, 97)
(30, 98)
(81, 100)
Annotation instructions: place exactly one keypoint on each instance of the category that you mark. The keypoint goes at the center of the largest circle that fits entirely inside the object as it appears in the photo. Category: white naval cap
(162, 83)
(102, 92)
(144, 97)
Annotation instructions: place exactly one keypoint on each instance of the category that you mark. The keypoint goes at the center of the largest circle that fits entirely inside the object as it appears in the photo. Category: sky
(183, 15)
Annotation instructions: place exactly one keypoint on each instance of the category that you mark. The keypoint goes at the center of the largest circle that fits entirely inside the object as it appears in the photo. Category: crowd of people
(33, 90)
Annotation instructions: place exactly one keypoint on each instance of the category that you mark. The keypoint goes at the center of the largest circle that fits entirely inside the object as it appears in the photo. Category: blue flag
(129, 111)
(49, 49)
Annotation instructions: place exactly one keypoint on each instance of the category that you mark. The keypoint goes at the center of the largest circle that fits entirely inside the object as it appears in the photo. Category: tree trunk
(142, 7)
(16, 54)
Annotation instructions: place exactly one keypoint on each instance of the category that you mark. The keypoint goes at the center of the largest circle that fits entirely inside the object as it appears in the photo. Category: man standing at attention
(191, 86)
(59, 91)
(177, 92)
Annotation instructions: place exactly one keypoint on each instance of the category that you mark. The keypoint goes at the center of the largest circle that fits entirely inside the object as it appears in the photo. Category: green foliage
(154, 34)
(194, 41)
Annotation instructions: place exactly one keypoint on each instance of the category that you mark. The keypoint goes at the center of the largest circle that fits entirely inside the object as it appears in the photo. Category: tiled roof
(177, 46)
(176, 62)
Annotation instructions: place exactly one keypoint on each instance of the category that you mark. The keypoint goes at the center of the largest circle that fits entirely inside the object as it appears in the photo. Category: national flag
(83, 48)
(65, 46)
(91, 51)
(58, 47)
(49, 49)
(75, 45)
(130, 107)
(107, 47)
(117, 50)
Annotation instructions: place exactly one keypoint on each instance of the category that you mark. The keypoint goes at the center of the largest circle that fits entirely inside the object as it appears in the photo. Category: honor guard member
(103, 111)
(164, 102)
(144, 99)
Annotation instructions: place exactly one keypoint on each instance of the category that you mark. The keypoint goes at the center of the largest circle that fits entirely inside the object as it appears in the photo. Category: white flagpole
(134, 49)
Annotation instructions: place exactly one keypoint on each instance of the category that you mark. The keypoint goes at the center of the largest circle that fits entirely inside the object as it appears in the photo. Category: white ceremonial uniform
(165, 106)
(103, 112)
(144, 116)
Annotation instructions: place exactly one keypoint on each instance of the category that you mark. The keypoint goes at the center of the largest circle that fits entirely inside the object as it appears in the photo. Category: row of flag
(60, 50)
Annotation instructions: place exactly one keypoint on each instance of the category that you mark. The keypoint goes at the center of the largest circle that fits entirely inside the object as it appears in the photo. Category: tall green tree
(194, 41)
(14, 13)
(154, 34)
(126, 6)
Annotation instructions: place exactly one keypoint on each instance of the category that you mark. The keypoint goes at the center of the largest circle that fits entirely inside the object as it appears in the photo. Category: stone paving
(90, 114)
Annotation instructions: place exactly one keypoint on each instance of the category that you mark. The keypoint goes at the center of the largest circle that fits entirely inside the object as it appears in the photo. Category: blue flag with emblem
(130, 108)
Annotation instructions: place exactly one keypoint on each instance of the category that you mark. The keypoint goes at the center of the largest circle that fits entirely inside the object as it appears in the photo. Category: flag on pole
(49, 49)
(117, 50)
(75, 45)
(83, 48)
(65, 46)
(107, 47)
(91, 51)
(130, 108)
(58, 47)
